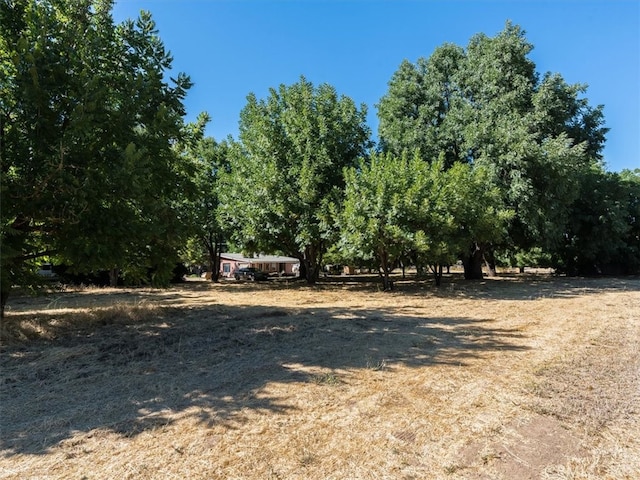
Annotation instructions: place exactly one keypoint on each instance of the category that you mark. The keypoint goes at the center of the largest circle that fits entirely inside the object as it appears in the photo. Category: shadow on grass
(129, 370)
(534, 287)
(501, 287)
(130, 375)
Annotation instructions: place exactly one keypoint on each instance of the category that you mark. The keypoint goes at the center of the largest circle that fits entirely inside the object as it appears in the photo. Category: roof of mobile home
(238, 257)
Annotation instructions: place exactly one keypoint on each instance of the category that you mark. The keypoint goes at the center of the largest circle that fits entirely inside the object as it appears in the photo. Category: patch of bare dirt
(523, 449)
(509, 378)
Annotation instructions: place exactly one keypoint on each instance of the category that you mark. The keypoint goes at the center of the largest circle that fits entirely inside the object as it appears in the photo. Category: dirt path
(504, 379)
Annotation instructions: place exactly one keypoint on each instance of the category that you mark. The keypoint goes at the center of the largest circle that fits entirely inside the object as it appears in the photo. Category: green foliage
(418, 112)
(87, 120)
(487, 106)
(474, 208)
(603, 235)
(286, 172)
(396, 207)
(533, 257)
(209, 162)
(382, 197)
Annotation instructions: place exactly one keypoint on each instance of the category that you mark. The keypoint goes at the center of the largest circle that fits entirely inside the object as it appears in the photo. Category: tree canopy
(209, 162)
(87, 121)
(487, 106)
(286, 170)
(481, 158)
(404, 207)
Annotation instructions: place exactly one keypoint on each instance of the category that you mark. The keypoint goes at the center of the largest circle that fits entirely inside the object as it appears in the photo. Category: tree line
(480, 159)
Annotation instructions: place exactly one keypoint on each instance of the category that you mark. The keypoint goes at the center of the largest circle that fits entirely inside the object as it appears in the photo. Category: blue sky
(233, 47)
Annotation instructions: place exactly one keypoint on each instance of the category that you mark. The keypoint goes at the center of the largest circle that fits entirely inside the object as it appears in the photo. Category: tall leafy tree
(487, 106)
(475, 212)
(631, 181)
(87, 121)
(286, 172)
(419, 110)
(603, 234)
(396, 205)
(209, 161)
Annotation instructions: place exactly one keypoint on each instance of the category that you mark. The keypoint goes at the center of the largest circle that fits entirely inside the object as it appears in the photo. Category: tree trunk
(302, 272)
(472, 263)
(4, 296)
(438, 275)
(436, 269)
(311, 272)
(311, 259)
(387, 285)
(113, 277)
(420, 269)
(215, 273)
(210, 262)
(6, 282)
(490, 261)
(213, 244)
(208, 242)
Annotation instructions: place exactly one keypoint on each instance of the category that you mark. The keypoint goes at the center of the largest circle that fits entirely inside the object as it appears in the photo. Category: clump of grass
(124, 314)
(52, 324)
(376, 365)
(328, 378)
(306, 458)
(452, 468)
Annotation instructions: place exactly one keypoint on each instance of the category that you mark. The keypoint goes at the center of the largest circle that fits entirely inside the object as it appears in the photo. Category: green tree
(87, 121)
(487, 106)
(286, 172)
(631, 182)
(396, 205)
(209, 162)
(376, 223)
(458, 213)
(419, 111)
(603, 235)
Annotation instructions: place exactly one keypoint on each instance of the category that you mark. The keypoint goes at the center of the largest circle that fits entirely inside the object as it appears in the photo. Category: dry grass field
(511, 378)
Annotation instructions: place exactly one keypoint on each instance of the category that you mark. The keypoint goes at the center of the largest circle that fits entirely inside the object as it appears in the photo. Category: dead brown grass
(501, 379)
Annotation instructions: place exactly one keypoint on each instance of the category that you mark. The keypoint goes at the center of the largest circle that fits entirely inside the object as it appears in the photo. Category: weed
(452, 468)
(328, 378)
(376, 365)
(307, 458)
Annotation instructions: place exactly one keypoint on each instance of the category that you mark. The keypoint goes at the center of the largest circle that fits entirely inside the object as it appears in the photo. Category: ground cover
(514, 377)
